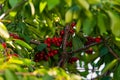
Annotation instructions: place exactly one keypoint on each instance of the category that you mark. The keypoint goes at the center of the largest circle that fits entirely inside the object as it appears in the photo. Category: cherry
(72, 31)
(97, 39)
(4, 44)
(89, 51)
(62, 32)
(72, 60)
(73, 24)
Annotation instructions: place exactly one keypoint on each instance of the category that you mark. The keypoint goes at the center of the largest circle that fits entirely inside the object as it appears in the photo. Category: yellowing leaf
(3, 31)
(93, 1)
(69, 2)
(32, 8)
(42, 6)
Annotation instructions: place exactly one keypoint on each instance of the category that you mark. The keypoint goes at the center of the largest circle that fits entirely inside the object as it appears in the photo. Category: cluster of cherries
(91, 40)
(57, 43)
(15, 36)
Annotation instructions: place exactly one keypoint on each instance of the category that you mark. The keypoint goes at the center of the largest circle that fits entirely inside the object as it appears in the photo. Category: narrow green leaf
(52, 3)
(42, 6)
(110, 66)
(23, 44)
(32, 8)
(78, 25)
(94, 1)
(9, 75)
(101, 23)
(116, 75)
(3, 31)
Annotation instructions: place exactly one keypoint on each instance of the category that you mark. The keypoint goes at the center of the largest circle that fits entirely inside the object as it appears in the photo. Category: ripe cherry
(4, 44)
(62, 32)
(97, 39)
(73, 24)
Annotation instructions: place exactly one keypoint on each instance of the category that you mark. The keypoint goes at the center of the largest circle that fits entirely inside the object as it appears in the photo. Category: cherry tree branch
(64, 53)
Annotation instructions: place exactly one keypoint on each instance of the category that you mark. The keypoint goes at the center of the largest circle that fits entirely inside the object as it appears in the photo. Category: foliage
(37, 35)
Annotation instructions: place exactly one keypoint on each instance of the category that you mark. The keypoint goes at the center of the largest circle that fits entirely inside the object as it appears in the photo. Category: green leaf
(103, 51)
(42, 6)
(2, 1)
(110, 66)
(9, 75)
(88, 25)
(77, 43)
(101, 23)
(78, 25)
(13, 2)
(32, 8)
(52, 3)
(106, 78)
(115, 23)
(41, 47)
(94, 1)
(84, 4)
(47, 77)
(69, 15)
(23, 44)
(3, 31)
(69, 2)
(116, 75)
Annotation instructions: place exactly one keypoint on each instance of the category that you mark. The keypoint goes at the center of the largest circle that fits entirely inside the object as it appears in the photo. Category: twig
(35, 42)
(64, 53)
(8, 11)
(85, 47)
(112, 52)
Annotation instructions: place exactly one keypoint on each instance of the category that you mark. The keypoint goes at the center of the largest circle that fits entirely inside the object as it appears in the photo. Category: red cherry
(62, 32)
(72, 31)
(73, 24)
(89, 51)
(55, 51)
(4, 44)
(97, 39)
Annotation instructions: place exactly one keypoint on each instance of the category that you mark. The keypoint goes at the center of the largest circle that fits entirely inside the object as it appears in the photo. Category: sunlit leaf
(84, 4)
(3, 31)
(69, 2)
(109, 66)
(115, 23)
(32, 8)
(94, 1)
(23, 44)
(69, 16)
(78, 25)
(42, 6)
